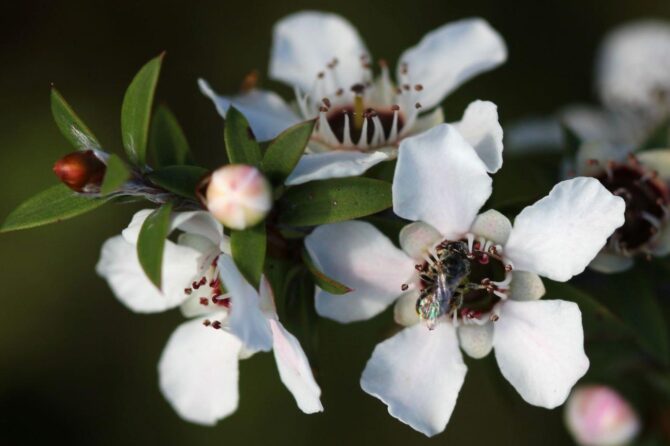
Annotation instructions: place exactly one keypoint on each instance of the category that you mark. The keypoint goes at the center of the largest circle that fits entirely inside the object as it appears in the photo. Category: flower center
(463, 279)
(646, 200)
(369, 114)
(209, 291)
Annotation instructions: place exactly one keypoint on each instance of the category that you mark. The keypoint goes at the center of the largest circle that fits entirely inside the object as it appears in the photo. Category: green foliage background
(76, 365)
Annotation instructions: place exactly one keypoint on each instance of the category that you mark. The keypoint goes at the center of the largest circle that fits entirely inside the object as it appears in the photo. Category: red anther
(476, 246)
(81, 171)
(484, 259)
(225, 302)
(508, 268)
(339, 92)
(195, 285)
(418, 87)
(323, 109)
(216, 325)
(203, 280)
(404, 68)
(404, 287)
(398, 90)
(326, 102)
(206, 323)
(358, 88)
(406, 87)
(204, 301)
(395, 107)
(592, 162)
(321, 75)
(494, 317)
(417, 105)
(188, 291)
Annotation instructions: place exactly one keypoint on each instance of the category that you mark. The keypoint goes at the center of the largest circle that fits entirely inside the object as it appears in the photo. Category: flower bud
(238, 196)
(597, 415)
(81, 171)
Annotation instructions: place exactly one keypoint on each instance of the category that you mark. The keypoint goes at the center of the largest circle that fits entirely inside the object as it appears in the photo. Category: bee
(443, 278)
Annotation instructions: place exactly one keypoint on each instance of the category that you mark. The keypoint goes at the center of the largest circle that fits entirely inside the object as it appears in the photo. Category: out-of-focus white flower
(239, 196)
(361, 120)
(597, 415)
(471, 277)
(632, 67)
(229, 319)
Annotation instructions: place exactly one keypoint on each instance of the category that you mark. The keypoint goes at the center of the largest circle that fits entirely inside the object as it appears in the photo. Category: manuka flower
(361, 120)
(473, 280)
(229, 319)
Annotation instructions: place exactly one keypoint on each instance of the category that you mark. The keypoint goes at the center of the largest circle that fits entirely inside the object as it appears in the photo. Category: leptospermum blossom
(361, 120)
(228, 319)
(472, 279)
(642, 180)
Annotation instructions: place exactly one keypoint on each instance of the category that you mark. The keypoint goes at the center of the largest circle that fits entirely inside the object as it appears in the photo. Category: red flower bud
(81, 171)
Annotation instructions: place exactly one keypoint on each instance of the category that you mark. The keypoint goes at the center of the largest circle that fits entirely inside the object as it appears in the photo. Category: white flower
(597, 415)
(472, 278)
(361, 120)
(198, 370)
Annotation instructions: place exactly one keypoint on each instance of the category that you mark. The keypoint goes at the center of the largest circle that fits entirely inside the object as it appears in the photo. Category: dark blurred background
(77, 366)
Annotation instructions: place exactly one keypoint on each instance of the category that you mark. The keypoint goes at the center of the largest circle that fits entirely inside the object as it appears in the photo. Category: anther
(418, 87)
(216, 325)
(326, 102)
(188, 291)
(592, 162)
(404, 287)
(406, 87)
(321, 75)
(417, 105)
(508, 268)
(204, 301)
(206, 323)
(395, 107)
(494, 317)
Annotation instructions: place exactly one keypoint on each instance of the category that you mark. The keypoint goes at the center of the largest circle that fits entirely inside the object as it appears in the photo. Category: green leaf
(324, 282)
(151, 242)
(116, 174)
(241, 144)
(285, 151)
(248, 248)
(136, 110)
(180, 180)
(50, 206)
(328, 201)
(70, 125)
(300, 313)
(167, 140)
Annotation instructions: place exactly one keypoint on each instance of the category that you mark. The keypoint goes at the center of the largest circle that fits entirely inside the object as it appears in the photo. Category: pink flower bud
(597, 415)
(238, 196)
(81, 171)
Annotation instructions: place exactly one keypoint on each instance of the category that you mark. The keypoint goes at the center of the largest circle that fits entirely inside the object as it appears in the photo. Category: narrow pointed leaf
(151, 242)
(285, 151)
(180, 180)
(241, 145)
(136, 111)
(324, 282)
(50, 206)
(116, 174)
(71, 125)
(329, 201)
(167, 140)
(248, 248)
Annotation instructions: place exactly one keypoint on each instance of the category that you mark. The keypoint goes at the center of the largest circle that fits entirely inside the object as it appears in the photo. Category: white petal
(198, 372)
(492, 225)
(481, 129)
(416, 238)
(610, 262)
(404, 310)
(294, 369)
(559, 235)
(417, 374)
(266, 111)
(539, 347)
(121, 268)
(658, 160)
(132, 232)
(196, 222)
(357, 255)
(335, 164)
(632, 68)
(450, 55)
(526, 286)
(476, 340)
(305, 43)
(439, 179)
(246, 319)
